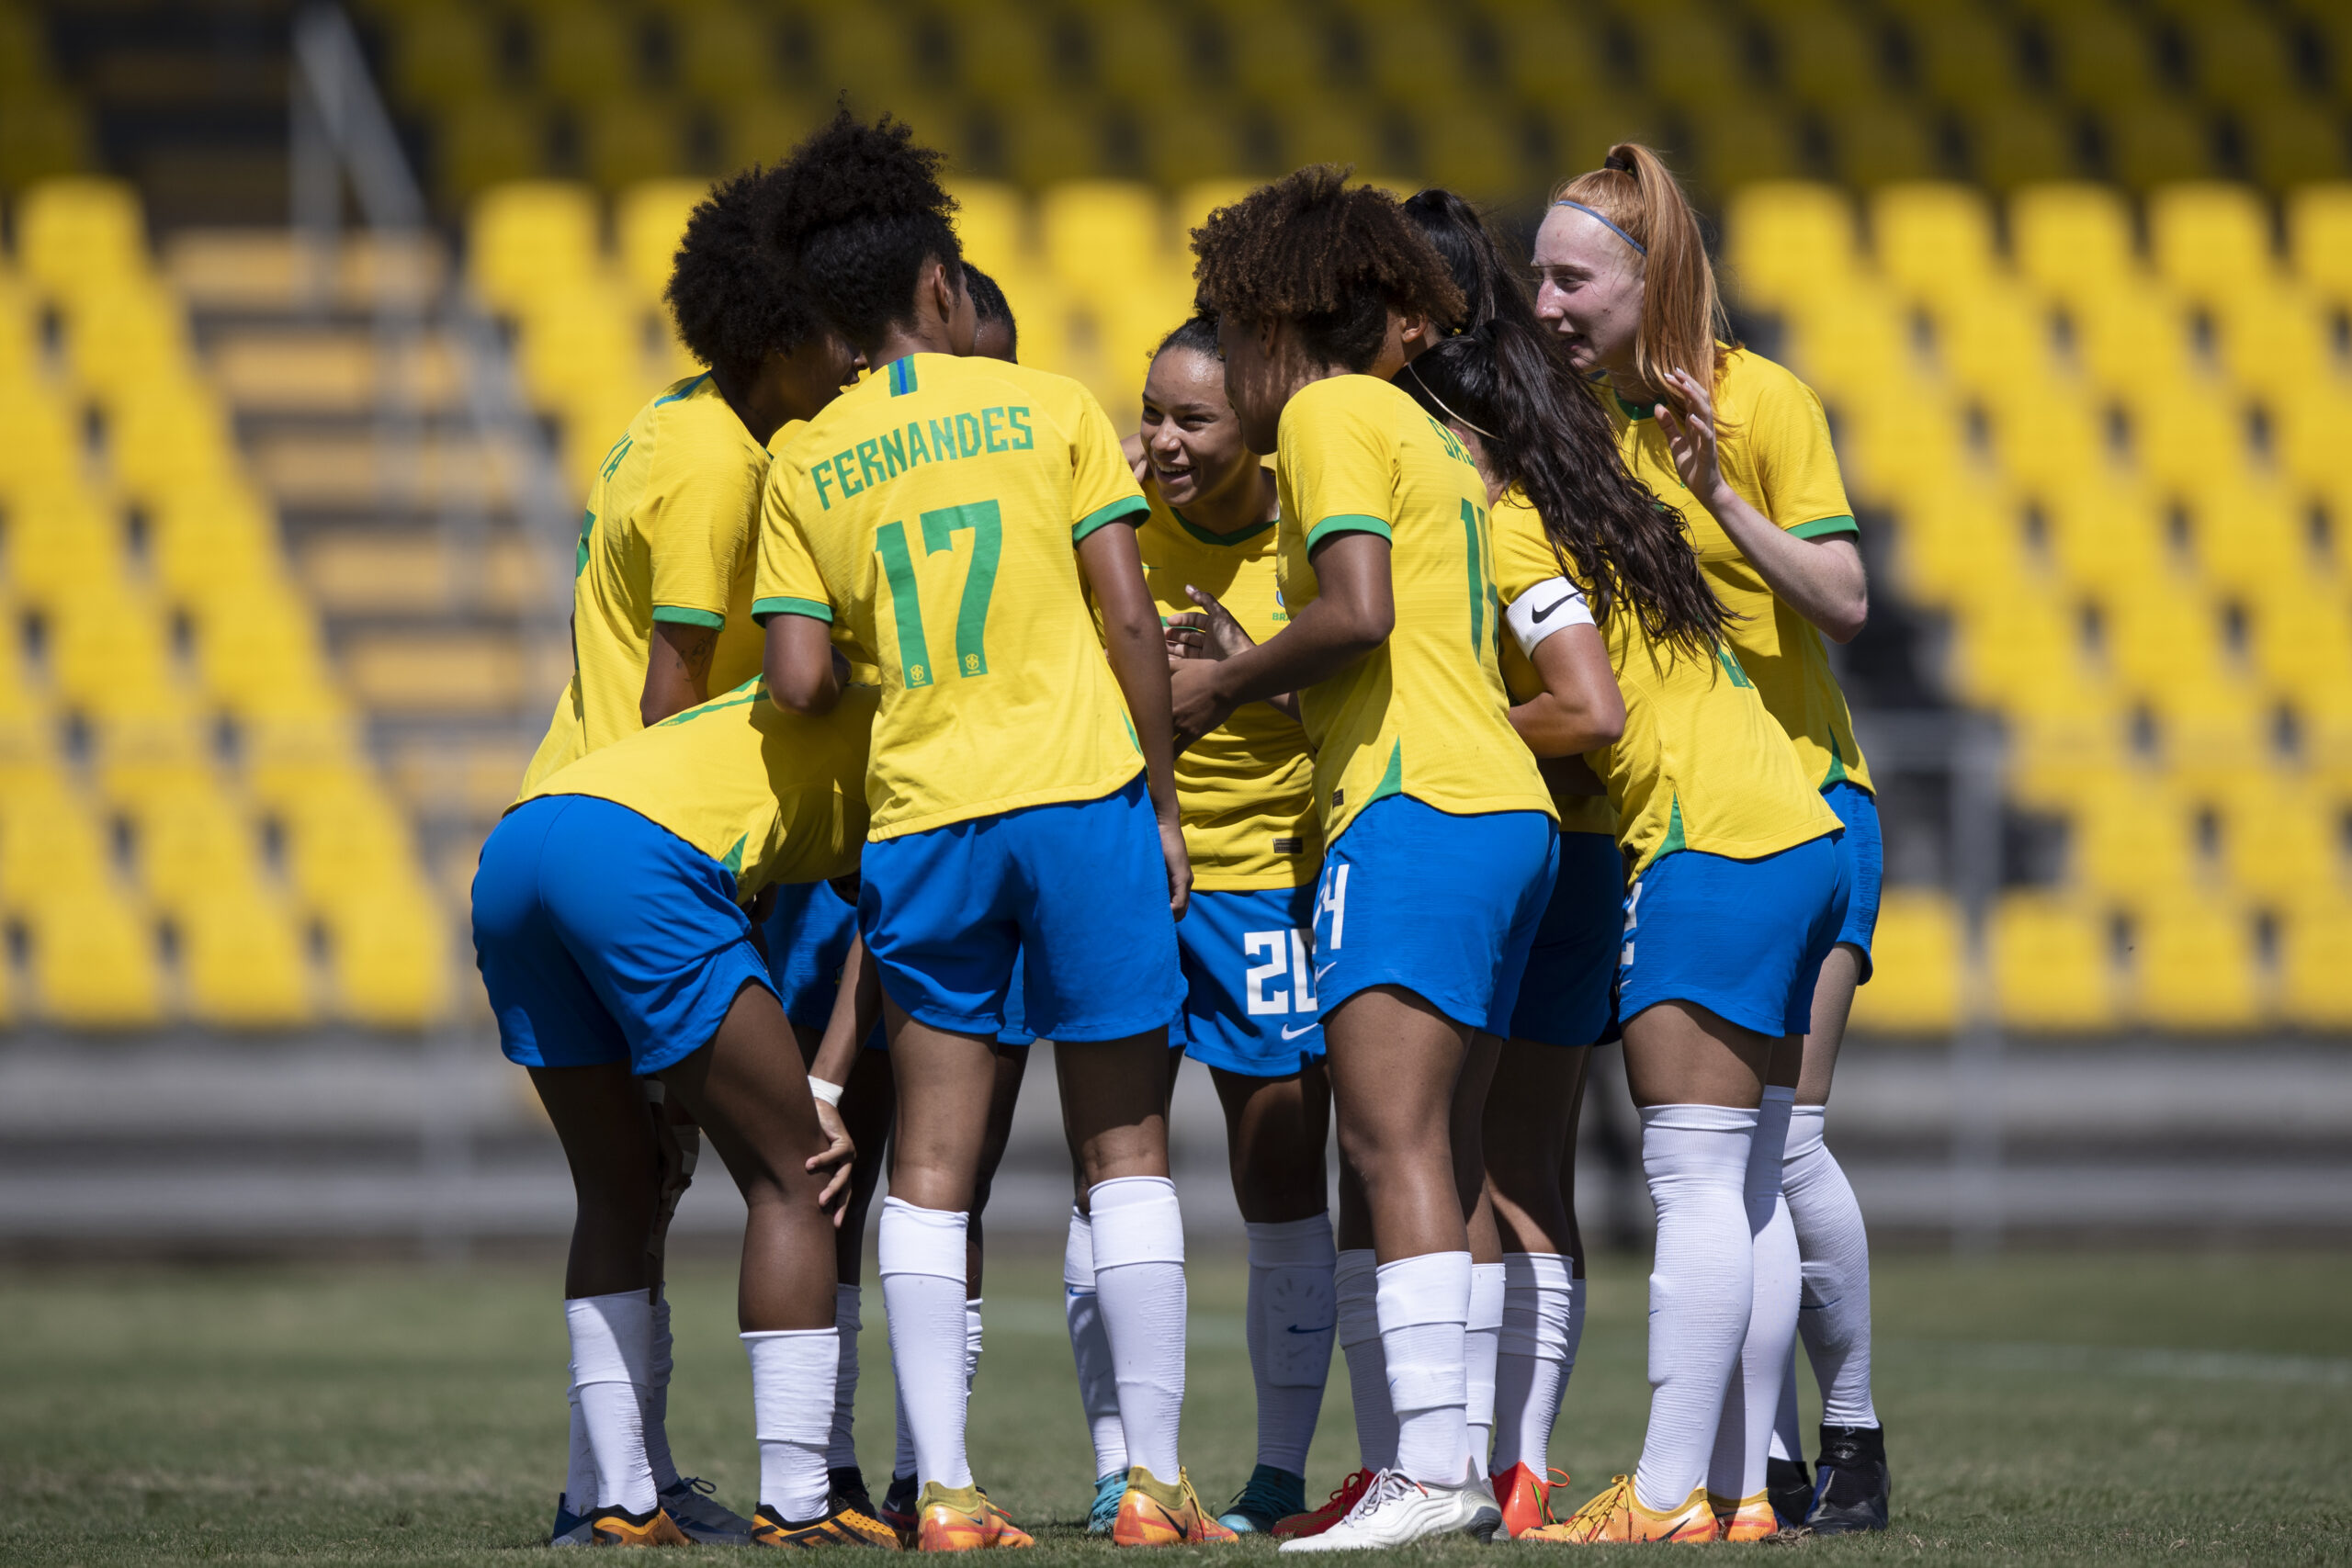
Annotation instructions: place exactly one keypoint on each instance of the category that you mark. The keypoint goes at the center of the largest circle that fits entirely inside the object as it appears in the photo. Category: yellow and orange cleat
(618, 1527)
(1153, 1513)
(1618, 1515)
(961, 1518)
(1526, 1499)
(843, 1526)
(1745, 1519)
(1315, 1521)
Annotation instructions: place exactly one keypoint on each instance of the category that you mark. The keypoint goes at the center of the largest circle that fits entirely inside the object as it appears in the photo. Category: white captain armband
(1551, 606)
(831, 1093)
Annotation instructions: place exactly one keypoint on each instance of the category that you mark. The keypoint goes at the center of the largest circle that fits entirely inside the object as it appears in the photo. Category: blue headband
(1604, 222)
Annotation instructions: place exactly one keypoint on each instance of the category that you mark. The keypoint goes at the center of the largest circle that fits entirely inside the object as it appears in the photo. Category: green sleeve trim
(1822, 527)
(684, 616)
(814, 609)
(1119, 511)
(1349, 523)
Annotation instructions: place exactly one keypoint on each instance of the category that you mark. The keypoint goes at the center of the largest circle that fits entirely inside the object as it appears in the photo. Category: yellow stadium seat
(2134, 842)
(1690, 56)
(2277, 341)
(78, 234)
(1785, 238)
(1965, 52)
(1098, 235)
(628, 139)
(486, 142)
(1990, 334)
(2315, 970)
(2052, 965)
(584, 52)
(2319, 236)
(2103, 535)
(1959, 543)
(1915, 966)
(2302, 636)
(1886, 444)
(866, 49)
(2281, 841)
(2189, 436)
(2237, 53)
(1142, 57)
(648, 222)
(107, 653)
(1739, 140)
(95, 962)
(1275, 50)
(242, 963)
(1472, 148)
(2153, 141)
(2050, 443)
(2071, 239)
(192, 844)
(443, 54)
(2100, 53)
(1932, 238)
(2133, 338)
(724, 53)
(391, 960)
(2014, 140)
(1195, 139)
(992, 224)
(2307, 435)
(2292, 141)
(530, 236)
(2010, 644)
(1002, 54)
(2210, 241)
(49, 843)
(2194, 967)
(1876, 139)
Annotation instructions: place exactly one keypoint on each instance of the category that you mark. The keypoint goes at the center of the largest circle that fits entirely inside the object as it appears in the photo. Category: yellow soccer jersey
(1775, 452)
(668, 536)
(1425, 714)
(931, 514)
(770, 795)
(1246, 786)
(1701, 765)
(1578, 813)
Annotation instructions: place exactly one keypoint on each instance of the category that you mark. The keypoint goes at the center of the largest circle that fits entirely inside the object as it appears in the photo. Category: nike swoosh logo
(1294, 1329)
(1322, 969)
(1290, 1033)
(1554, 605)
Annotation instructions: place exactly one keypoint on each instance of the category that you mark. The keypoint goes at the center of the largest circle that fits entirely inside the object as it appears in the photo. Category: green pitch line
(2040, 1409)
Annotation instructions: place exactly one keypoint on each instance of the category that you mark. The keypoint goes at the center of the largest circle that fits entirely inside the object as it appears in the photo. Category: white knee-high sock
(795, 1374)
(1752, 1399)
(580, 1469)
(923, 1290)
(1424, 1306)
(612, 1348)
(657, 1398)
(1098, 1383)
(1356, 1284)
(972, 1343)
(1702, 1281)
(1140, 1285)
(841, 1447)
(1543, 1321)
(1835, 1318)
(1481, 1342)
(1290, 1319)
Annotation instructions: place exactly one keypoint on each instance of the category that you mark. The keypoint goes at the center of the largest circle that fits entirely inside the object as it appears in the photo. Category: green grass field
(2040, 1409)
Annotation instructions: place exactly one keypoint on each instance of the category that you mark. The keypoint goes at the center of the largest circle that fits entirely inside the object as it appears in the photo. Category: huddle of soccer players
(913, 718)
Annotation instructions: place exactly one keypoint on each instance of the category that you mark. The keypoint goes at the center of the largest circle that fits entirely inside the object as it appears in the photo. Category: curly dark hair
(1542, 432)
(1334, 259)
(860, 210)
(732, 286)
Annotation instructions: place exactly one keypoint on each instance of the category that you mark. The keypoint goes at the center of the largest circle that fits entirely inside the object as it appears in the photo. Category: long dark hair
(1535, 421)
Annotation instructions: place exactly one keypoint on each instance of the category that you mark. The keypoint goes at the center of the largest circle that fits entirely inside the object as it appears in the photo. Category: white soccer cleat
(1396, 1509)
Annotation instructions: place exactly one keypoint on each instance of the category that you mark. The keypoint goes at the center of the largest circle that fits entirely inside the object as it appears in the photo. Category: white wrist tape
(1551, 606)
(831, 1093)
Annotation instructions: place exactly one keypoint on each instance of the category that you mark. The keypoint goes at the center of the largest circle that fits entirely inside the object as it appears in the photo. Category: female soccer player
(1247, 788)
(1387, 576)
(662, 603)
(1714, 814)
(1023, 807)
(609, 926)
(1530, 1118)
(1739, 446)
(811, 937)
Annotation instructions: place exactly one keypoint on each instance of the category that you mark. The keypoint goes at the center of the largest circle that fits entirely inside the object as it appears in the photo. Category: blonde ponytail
(1684, 325)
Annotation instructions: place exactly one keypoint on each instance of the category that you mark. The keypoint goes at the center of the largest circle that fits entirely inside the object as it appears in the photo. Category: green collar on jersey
(1204, 536)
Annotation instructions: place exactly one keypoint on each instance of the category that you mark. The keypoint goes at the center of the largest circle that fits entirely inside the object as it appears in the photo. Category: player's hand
(1180, 866)
(1138, 459)
(1691, 437)
(1194, 699)
(840, 1155)
(1209, 632)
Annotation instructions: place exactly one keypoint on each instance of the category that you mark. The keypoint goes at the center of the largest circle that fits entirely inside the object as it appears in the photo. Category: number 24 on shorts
(982, 520)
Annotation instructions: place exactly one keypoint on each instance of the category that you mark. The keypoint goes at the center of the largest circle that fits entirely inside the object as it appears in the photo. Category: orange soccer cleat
(840, 1526)
(1153, 1513)
(961, 1518)
(1315, 1521)
(618, 1527)
(1526, 1499)
(1745, 1519)
(1618, 1515)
